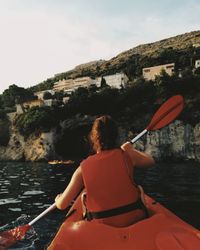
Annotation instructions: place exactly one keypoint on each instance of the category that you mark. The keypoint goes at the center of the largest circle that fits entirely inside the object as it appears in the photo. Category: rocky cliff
(35, 148)
(177, 141)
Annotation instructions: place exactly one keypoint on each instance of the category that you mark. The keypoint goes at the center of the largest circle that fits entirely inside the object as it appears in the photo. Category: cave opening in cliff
(73, 143)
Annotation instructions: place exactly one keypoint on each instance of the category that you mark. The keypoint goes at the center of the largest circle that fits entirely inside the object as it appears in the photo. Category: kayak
(162, 230)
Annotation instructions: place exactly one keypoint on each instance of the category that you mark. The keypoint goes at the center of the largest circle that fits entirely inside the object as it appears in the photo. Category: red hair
(104, 133)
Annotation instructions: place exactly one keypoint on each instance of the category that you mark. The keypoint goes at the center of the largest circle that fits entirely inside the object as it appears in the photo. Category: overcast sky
(39, 38)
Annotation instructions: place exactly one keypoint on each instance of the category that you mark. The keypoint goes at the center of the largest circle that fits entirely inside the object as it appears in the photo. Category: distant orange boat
(57, 162)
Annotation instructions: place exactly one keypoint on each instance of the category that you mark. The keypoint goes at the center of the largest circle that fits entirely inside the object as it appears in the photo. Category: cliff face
(35, 148)
(177, 141)
(63, 142)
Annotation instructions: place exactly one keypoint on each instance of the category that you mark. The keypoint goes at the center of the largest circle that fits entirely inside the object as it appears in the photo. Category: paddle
(164, 115)
(10, 237)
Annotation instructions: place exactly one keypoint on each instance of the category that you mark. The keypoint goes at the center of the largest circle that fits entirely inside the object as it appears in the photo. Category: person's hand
(57, 197)
(127, 146)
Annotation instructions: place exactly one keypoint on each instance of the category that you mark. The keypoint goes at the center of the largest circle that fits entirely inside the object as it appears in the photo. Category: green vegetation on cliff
(14, 95)
(37, 119)
(132, 105)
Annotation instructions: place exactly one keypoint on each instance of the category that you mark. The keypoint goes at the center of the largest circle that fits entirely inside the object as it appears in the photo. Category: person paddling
(112, 197)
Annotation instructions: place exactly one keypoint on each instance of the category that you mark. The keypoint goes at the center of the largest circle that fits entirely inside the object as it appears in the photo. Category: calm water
(28, 188)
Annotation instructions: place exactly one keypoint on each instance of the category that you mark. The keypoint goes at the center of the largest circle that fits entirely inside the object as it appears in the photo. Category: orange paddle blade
(167, 112)
(10, 237)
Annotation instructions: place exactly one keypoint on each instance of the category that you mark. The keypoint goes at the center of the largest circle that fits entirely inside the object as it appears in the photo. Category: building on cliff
(70, 85)
(117, 80)
(197, 63)
(196, 45)
(151, 72)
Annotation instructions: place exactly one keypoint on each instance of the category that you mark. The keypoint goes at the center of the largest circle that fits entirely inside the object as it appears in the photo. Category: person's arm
(139, 159)
(74, 187)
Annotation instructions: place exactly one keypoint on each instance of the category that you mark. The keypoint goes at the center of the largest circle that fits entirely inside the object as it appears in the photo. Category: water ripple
(9, 201)
(33, 192)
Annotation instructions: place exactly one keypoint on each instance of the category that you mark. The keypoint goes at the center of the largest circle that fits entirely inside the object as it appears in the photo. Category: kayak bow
(163, 230)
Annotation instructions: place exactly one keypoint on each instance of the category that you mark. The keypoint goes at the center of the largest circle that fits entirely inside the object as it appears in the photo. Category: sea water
(26, 189)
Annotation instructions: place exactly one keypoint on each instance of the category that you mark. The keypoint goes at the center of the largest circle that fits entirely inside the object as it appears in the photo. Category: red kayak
(163, 230)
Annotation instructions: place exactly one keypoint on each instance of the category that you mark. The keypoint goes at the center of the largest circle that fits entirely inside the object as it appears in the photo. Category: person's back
(108, 186)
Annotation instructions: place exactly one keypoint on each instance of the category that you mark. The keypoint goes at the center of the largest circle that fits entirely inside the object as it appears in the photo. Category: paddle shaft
(52, 207)
(49, 209)
(139, 136)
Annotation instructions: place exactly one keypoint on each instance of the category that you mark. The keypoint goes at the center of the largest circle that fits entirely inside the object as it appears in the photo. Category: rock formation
(177, 141)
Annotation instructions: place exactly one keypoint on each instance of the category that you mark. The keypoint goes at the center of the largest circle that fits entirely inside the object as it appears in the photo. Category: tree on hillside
(167, 55)
(103, 83)
(139, 81)
(36, 119)
(187, 73)
(197, 71)
(1, 102)
(108, 101)
(3, 115)
(93, 88)
(78, 100)
(47, 95)
(48, 84)
(162, 78)
(15, 94)
(59, 95)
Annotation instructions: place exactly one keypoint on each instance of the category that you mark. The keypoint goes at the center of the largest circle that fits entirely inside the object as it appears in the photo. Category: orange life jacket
(107, 182)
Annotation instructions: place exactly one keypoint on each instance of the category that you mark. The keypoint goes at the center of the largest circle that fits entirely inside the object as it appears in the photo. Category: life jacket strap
(115, 211)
